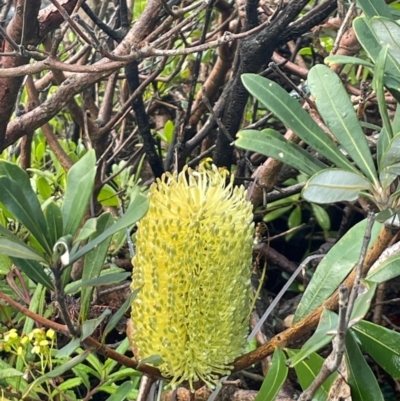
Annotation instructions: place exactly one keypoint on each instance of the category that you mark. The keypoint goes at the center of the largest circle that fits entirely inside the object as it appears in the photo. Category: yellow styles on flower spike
(193, 265)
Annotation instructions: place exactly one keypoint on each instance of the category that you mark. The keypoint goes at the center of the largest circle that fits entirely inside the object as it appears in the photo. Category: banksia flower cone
(193, 265)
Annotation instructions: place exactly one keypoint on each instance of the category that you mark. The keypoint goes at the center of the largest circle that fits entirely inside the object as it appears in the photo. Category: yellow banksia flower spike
(193, 266)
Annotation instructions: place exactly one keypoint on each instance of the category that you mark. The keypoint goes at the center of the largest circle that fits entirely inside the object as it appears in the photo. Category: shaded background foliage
(154, 85)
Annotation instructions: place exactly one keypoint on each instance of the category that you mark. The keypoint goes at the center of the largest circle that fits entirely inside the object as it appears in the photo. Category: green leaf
(12, 195)
(16, 250)
(321, 216)
(54, 222)
(270, 143)
(94, 261)
(112, 389)
(334, 268)
(294, 219)
(388, 33)
(276, 376)
(381, 147)
(336, 109)
(308, 369)
(44, 188)
(123, 373)
(89, 326)
(21, 178)
(80, 182)
(386, 270)
(108, 196)
(117, 316)
(396, 121)
(34, 271)
(59, 370)
(276, 213)
(363, 384)
(363, 301)
(18, 382)
(123, 391)
(378, 86)
(369, 41)
(374, 8)
(136, 210)
(342, 59)
(69, 348)
(68, 384)
(392, 155)
(291, 113)
(105, 279)
(334, 185)
(110, 364)
(87, 230)
(327, 323)
(382, 344)
(9, 372)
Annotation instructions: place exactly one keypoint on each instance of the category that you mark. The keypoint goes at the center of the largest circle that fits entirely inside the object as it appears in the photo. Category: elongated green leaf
(388, 33)
(396, 121)
(68, 384)
(59, 370)
(88, 229)
(308, 369)
(54, 222)
(17, 174)
(112, 389)
(290, 112)
(392, 155)
(334, 185)
(268, 143)
(13, 197)
(342, 59)
(381, 147)
(105, 279)
(34, 271)
(363, 384)
(367, 38)
(363, 301)
(123, 373)
(117, 316)
(327, 323)
(334, 268)
(110, 364)
(322, 216)
(10, 372)
(123, 391)
(17, 382)
(390, 160)
(384, 271)
(80, 182)
(382, 344)
(89, 326)
(69, 348)
(336, 109)
(136, 210)
(276, 376)
(378, 86)
(374, 8)
(11, 248)
(94, 261)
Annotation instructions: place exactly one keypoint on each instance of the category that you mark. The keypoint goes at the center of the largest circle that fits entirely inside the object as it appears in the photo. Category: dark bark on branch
(254, 53)
(149, 143)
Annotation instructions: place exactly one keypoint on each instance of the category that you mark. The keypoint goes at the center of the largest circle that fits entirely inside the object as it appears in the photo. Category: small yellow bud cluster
(193, 267)
(37, 341)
